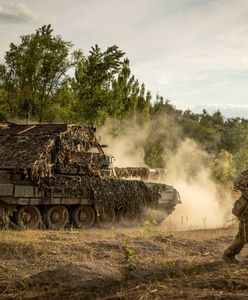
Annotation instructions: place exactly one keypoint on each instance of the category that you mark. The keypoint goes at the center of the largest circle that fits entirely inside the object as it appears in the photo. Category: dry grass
(145, 263)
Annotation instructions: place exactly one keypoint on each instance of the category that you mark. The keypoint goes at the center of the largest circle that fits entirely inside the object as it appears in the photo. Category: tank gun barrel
(143, 173)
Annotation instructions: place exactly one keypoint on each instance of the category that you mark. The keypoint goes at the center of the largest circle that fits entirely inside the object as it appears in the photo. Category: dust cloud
(205, 204)
(128, 148)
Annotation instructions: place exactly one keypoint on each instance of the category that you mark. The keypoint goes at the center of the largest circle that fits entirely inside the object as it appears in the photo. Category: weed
(128, 251)
(229, 273)
(150, 226)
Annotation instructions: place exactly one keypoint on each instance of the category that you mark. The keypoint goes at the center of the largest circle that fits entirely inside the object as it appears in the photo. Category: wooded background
(43, 79)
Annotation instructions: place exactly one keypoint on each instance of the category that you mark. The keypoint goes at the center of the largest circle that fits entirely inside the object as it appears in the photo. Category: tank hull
(17, 196)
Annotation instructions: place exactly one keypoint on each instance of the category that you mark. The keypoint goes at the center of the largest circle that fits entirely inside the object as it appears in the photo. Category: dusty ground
(145, 263)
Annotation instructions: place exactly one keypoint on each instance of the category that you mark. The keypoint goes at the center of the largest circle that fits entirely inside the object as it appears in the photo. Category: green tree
(241, 159)
(223, 168)
(4, 107)
(144, 106)
(34, 70)
(132, 101)
(234, 135)
(154, 155)
(92, 84)
(62, 104)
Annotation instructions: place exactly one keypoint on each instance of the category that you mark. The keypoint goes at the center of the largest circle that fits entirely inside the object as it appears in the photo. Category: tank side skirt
(44, 201)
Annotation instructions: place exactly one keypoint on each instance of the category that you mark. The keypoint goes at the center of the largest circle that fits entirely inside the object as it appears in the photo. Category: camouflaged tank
(55, 176)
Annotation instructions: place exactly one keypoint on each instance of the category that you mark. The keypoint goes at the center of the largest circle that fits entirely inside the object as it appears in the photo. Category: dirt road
(137, 264)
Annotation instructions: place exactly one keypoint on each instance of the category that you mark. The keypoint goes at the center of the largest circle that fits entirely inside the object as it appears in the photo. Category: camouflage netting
(22, 145)
(43, 166)
(129, 172)
(68, 150)
(78, 136)
(39, 149)
(105, 192)
(78, 147)
(241, 182)
(143, 173)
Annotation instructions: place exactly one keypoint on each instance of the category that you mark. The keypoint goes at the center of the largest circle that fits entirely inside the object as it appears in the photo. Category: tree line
(44, 79)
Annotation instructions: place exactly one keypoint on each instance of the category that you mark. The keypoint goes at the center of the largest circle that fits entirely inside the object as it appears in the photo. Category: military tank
(55, 176)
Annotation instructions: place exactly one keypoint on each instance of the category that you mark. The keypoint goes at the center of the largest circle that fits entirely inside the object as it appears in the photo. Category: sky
(192, 52)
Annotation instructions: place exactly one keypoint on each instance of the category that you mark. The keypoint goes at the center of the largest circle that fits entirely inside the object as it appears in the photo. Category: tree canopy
(34, 70)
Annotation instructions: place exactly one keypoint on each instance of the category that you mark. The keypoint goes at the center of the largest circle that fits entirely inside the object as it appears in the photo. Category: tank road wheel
(28, 217)
(107, 218)
(83, 216)
(56, 217)
(129, 218)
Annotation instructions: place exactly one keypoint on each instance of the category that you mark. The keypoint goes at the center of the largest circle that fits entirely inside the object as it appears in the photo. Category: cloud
(17, 13)
(189, 51)
(186, 50)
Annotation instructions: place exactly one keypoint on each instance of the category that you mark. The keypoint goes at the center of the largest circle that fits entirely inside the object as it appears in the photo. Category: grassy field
(146, 263)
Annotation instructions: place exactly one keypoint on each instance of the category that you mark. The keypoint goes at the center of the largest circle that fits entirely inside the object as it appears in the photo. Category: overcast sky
(193, 52)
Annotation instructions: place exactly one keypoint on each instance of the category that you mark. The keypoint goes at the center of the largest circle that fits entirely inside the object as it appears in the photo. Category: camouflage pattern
(240, 239)
(240, 184)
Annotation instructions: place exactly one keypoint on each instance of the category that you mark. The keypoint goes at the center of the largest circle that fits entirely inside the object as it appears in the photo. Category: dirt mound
(66, 276)
(220, 284)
